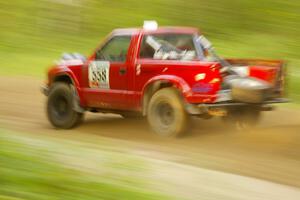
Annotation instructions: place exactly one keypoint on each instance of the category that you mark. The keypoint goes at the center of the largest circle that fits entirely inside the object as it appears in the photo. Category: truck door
(107, 75)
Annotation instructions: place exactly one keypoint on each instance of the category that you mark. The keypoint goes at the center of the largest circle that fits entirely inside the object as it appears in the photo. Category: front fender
(62, 71)
(73, 73)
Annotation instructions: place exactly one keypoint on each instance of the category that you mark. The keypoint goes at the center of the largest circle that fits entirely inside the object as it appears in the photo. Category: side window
(115, 50)
(168, 47)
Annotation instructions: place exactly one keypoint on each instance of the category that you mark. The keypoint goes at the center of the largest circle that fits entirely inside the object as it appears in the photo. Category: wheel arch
(160, 82)
(66, 77)
(69, 78)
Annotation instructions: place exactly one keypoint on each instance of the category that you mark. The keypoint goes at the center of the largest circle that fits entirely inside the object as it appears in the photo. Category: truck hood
(71, 59)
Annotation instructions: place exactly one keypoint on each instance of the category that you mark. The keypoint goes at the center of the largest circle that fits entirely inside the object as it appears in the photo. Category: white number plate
(99, 74)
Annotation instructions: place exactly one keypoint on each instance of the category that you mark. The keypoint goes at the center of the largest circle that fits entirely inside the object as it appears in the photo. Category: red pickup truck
(166, 74)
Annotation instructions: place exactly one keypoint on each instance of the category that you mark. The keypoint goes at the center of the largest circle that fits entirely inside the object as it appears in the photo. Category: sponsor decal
(99, 74)
(138, 69)
(202, 88)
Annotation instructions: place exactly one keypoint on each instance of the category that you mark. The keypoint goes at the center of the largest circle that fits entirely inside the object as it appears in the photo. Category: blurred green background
(33, 33)
(36, 32)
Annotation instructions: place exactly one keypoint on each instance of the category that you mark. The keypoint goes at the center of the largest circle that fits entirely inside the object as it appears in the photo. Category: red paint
(127, 90)
(264, 73)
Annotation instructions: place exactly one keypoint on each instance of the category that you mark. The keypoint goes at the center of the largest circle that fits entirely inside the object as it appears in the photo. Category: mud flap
(76, 101)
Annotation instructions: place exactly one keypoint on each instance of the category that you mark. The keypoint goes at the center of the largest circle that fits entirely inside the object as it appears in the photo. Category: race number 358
(99, 74)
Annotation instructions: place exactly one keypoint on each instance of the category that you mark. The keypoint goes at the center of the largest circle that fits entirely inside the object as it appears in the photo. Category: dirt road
(270, 153)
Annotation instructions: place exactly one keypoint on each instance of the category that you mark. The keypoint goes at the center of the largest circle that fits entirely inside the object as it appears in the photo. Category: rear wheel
(166, 114)
(60, 107)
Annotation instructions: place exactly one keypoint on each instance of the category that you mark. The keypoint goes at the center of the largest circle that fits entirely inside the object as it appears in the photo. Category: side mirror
(205, 42)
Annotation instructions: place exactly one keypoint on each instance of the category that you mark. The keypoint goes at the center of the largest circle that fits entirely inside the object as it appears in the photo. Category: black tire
(166, 114)
(242, 118)
(60, 107)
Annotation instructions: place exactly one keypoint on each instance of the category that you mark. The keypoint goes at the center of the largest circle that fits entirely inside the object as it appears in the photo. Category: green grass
(37, 169)
(36, 32)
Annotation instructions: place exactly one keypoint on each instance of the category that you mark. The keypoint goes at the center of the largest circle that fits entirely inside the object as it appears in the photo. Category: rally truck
(165, 74)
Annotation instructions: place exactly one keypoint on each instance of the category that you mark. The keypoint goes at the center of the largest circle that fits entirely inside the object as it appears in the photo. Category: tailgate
(273, 71)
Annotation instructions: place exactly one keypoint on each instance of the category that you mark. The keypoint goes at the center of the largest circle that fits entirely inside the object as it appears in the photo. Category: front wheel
(166, 114)
(60, 107)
